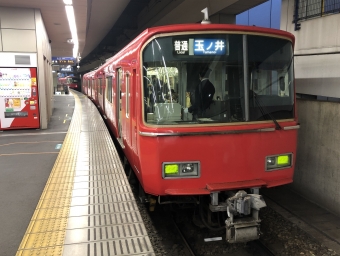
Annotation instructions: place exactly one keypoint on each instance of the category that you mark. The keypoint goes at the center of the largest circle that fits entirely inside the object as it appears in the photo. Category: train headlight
(171, 169)
(279, 161)
(181, 170)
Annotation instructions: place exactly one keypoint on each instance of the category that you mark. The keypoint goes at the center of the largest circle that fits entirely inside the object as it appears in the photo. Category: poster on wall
(18, 98)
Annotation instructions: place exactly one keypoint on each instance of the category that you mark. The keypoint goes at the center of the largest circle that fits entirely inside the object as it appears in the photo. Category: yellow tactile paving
(87, 192)
(47, 251)
(45, 234)
(45, 239)
(49, 225)
(53, 201)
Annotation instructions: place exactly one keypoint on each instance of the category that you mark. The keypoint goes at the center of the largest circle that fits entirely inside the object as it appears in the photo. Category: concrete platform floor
(26, 160)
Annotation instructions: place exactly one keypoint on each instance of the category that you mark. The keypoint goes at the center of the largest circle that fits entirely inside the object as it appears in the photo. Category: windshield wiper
(266, 113)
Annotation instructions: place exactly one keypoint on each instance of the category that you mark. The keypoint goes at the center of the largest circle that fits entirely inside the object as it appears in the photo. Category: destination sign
(209, 47)
(200, 47)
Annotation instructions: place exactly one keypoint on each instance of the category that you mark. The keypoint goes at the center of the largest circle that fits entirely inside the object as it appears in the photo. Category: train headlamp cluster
(181, 170)
(279, 161)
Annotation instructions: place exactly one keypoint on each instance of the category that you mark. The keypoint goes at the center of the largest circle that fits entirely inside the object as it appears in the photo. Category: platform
(87, 206)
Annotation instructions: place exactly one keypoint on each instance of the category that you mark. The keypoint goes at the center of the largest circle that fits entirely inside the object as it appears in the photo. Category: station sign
(66, 69)
(64, 61)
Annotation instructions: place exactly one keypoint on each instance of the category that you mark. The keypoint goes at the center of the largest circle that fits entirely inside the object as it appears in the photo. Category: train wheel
(152, 203)
(147, 199)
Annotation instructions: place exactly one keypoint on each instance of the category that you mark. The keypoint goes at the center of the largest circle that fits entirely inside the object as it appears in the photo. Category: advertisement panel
(19, 101)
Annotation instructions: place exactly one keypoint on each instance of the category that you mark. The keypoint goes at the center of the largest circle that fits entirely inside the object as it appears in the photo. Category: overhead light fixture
(72, 23)
(75, 50)
(69, 2)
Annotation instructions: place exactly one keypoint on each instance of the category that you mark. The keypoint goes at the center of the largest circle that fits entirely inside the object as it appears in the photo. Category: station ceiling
(105, 26)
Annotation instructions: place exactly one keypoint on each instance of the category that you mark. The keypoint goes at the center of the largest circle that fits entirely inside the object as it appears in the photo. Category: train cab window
(175, 70)
(271, 78)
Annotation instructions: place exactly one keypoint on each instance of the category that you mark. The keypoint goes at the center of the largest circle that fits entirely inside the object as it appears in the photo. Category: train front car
(73, 83)
(220, 141)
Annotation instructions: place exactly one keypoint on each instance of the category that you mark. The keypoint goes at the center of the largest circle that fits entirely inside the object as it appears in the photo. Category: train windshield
(73, 80)
(217, 78)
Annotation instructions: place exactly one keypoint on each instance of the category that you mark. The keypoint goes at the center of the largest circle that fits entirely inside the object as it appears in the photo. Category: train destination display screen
(200, 46)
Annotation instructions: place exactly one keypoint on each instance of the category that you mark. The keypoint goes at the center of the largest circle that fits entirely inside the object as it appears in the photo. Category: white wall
(317, 173)
(44, 70)
(315, 74)
(22, 32)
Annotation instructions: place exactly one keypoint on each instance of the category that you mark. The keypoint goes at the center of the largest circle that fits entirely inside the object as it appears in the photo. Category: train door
(134, 112)
(102, 90)
(91, 88)
(108, 95)
(101, 95)
(119, 105)
(96, 91)
(127, 123)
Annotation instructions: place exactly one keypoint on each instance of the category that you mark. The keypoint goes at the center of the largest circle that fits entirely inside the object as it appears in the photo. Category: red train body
(72, 82)
(247, 137)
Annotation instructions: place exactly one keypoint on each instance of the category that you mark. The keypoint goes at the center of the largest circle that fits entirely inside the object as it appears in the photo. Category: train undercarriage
(235, 211)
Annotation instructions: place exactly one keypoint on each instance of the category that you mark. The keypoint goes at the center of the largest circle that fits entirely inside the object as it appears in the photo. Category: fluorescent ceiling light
(75, 50)
(72, 23)
(68, 2)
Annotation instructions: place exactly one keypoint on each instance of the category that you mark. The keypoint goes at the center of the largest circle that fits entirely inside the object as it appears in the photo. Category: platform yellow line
(45, 234)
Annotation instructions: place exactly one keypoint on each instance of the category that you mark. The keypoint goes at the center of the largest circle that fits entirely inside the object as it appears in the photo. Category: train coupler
(243, 223)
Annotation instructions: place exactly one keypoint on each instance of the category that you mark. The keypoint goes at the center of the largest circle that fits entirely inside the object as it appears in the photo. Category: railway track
(255, 247)
(261, 248)
(185, 242)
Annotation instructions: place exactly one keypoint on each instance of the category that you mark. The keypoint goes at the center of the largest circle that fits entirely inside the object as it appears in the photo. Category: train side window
(109, 88)
(100, 86)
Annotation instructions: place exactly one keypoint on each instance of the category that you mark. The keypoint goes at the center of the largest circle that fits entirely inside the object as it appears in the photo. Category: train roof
(149, 32)
(217, 27)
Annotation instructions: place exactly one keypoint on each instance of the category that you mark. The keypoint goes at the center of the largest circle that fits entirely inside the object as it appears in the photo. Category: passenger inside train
(203, 95)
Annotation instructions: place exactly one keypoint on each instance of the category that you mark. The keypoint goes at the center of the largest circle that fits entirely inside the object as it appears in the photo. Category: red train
(215, 151)
(72, 82)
